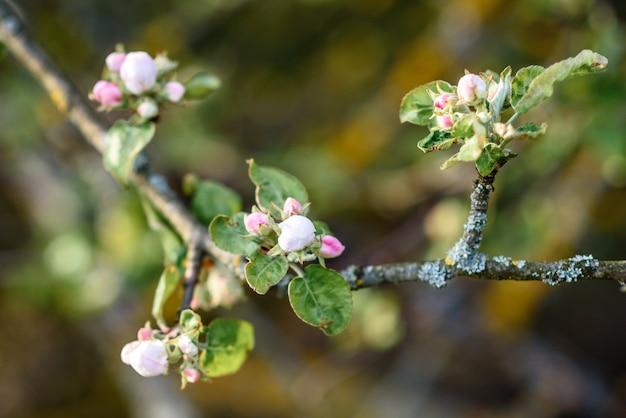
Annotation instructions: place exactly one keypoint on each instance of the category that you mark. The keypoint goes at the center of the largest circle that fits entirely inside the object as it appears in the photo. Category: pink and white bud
(114, 61)
(471, 88)
(444, 122)
(187, 346)
(174, 91)
(297, 232)
(144, 334)
(191, 375)
(292, 207)
(253, 222)
(108, 94)
(139, 72)
(148, 109)
(148, 358)
(331, 247)
(442, 101)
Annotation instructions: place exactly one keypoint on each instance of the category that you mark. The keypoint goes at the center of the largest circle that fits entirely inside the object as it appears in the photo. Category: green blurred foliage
(313, 87)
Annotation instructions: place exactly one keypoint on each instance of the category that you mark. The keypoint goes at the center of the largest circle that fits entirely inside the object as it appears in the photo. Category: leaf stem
(513, 118)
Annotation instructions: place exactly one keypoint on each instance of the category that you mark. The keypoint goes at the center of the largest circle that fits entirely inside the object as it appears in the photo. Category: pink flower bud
(444, 122)
(187, 346)
(148, 109)
(174, 91)
(471, 88)
(107, 93)
(191, 375)
(144, 334)
(114, 61)
(148, 358)
(253, 222)
(138, 71)
(442, 101)
(297, 232)
(331, 247)
(292, 207)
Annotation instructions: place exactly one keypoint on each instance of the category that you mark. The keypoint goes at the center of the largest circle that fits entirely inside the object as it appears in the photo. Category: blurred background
(313, 87)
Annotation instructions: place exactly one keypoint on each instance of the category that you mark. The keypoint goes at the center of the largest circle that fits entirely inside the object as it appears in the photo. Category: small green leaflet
(322, 298)
(228, 342)
(274, 186)
(124, 142)
(541, 86)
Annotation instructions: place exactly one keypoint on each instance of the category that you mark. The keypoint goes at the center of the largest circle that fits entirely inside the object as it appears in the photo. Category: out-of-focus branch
(73, 104)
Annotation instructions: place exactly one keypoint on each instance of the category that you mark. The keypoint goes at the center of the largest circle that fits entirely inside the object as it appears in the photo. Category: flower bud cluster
(449, 107)
(292, 233)
(155, 352)
(136, 81)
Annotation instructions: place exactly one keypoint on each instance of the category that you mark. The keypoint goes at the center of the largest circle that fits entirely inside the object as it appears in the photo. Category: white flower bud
(297, 232)
(139, 72)
(187, 346)
(148, 358)
(471, 88)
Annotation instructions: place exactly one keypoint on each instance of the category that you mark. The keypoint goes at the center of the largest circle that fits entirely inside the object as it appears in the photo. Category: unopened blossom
(148, 109)
(297, 232)
(174, 91)
(444, 121)
(107, 93)
(253, 222)
(144, 334)
(191, 375)
(292, 207)
(148, 358)
(186, 345)
(471, 88)
(442, 101)
(114, 61)
(139, 72)
(331, 247)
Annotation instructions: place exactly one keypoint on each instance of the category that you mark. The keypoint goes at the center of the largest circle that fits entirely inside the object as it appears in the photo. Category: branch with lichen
(438, 272)
(465, 260)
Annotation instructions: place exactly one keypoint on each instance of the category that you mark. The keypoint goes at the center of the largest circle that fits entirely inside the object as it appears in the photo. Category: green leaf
(230, 234)
(201, 85)
(210, 199)
(464, 127)
(173, 247)
(521, 82)
(436, 141)
(530, 131)
(321, 298)
(228, 343)
(189, 320)
(417, 105)
(274, 186)
(541, 86)
(264, 271)
(471, 150)
(124, 142)
(502, 94)
(491, 158)
(168, 282)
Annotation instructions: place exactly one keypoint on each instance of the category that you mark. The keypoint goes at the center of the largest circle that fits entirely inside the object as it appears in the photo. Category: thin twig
(192, 271)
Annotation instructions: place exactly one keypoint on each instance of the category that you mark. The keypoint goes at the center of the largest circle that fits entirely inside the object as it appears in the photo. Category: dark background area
(313, 87)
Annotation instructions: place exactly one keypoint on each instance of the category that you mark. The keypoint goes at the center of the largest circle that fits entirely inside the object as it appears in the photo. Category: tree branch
(72, 103)
(438, 272)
